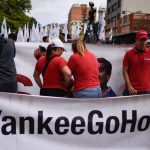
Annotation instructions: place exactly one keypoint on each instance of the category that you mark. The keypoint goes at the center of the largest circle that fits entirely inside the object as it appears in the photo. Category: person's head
(39, 52)
(104, 71)
(78, 46)
(45, 39)
(56, 47)
(91, 4)
(62, 37)
(141, 40)
(12, 36)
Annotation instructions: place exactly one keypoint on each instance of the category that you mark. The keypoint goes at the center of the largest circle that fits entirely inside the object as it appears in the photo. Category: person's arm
(37, 78)
(131, 90)
(67, 75)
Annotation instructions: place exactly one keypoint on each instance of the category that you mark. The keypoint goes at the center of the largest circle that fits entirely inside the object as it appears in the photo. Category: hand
(132, 91)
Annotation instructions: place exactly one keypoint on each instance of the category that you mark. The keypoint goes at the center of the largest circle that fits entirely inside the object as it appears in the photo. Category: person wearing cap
(84, 68)
(56, 73)
(136, 67)
(39, 52)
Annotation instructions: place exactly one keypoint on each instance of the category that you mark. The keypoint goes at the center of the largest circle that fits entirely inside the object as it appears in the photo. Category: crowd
(73, 78)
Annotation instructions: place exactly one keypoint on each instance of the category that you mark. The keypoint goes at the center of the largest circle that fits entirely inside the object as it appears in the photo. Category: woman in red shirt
(55, 71)
(84, 68)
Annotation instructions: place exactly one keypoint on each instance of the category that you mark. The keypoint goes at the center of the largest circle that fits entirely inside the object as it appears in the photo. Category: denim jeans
(88, 93)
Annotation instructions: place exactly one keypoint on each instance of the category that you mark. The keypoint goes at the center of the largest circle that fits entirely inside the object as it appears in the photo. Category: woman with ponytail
(56, 73)
(84, 68)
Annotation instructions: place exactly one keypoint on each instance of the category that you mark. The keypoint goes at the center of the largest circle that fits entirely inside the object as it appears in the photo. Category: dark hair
(107, 64)
(45, 38)
(50, 48)
(42, 48)
(63, 34)
(12, 36)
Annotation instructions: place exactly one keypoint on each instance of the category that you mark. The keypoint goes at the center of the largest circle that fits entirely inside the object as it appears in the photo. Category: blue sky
(48, 11)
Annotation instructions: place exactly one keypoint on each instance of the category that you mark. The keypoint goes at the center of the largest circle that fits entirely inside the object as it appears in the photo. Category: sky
(56, 11)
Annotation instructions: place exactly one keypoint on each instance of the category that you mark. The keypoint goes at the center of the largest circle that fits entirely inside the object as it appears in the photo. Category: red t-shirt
(53, 76)
(138, 69)
(85, 70)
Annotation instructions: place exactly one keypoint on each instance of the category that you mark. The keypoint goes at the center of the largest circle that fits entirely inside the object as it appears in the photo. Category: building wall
(128, 6)
(101, 12)
(78, 13)
(113, 10)
(132, 6)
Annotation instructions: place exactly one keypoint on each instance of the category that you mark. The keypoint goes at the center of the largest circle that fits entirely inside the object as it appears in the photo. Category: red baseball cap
(142, 34)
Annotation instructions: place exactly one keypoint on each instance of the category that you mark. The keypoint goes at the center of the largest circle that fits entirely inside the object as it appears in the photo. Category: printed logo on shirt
(147, 59)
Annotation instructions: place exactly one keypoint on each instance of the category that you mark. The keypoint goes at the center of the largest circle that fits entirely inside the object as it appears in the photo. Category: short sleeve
(40, 65)
(62, 63)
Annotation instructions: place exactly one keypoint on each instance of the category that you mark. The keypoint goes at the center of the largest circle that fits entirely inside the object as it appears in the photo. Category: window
(119, 3)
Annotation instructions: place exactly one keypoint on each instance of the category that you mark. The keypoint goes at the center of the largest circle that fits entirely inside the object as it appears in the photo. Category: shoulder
(130, 52)
(42, 59)
(73, 56)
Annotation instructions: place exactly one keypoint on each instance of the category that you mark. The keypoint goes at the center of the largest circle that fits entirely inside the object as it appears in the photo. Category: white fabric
(4, 28)
(106, 116)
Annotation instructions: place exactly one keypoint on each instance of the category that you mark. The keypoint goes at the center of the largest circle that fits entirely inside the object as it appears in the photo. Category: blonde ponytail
(80, 47)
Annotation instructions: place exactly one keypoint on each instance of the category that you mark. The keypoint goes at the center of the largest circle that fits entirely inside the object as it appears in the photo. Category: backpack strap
(46, 65)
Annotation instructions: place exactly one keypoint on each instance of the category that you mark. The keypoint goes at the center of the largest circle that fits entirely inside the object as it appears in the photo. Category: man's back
(8, 81)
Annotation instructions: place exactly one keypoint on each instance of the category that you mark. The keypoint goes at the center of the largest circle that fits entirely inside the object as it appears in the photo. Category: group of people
(61, 78)
(93, 83)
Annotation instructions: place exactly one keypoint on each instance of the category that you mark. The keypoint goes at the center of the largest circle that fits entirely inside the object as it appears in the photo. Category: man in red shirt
(136, 67)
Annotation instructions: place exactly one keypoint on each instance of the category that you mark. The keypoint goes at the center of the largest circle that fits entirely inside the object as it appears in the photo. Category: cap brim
(143, 37)
(63, 49)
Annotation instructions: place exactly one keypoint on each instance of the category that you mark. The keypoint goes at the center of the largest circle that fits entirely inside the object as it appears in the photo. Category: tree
(15, 13)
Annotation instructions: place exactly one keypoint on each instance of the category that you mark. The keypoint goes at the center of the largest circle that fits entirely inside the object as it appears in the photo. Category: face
(62, 38)
(103, 76)
(60, 51)
(141, 44)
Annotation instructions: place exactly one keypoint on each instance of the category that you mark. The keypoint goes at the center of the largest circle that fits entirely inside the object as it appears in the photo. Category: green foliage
(14, 12)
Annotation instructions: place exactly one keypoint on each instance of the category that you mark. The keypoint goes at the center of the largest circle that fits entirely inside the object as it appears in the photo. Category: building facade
(78, 13)
(126, 17)
(101, 12)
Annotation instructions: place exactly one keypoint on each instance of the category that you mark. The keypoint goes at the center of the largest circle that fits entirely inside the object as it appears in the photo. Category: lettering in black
(9, 128)
(43, 124)
(126, 121)
(98, 124)
(22, 124)
(109, 124)
(147, 123)
(59, 125)
(76, 125)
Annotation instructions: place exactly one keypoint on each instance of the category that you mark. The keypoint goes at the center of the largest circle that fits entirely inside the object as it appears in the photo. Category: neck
(140, 50)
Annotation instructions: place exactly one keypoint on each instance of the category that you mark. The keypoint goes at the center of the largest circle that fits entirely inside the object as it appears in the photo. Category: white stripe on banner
(44, 123)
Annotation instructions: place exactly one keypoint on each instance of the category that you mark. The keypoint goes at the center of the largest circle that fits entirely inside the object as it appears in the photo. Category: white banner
(43, 123)
(25, 63)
